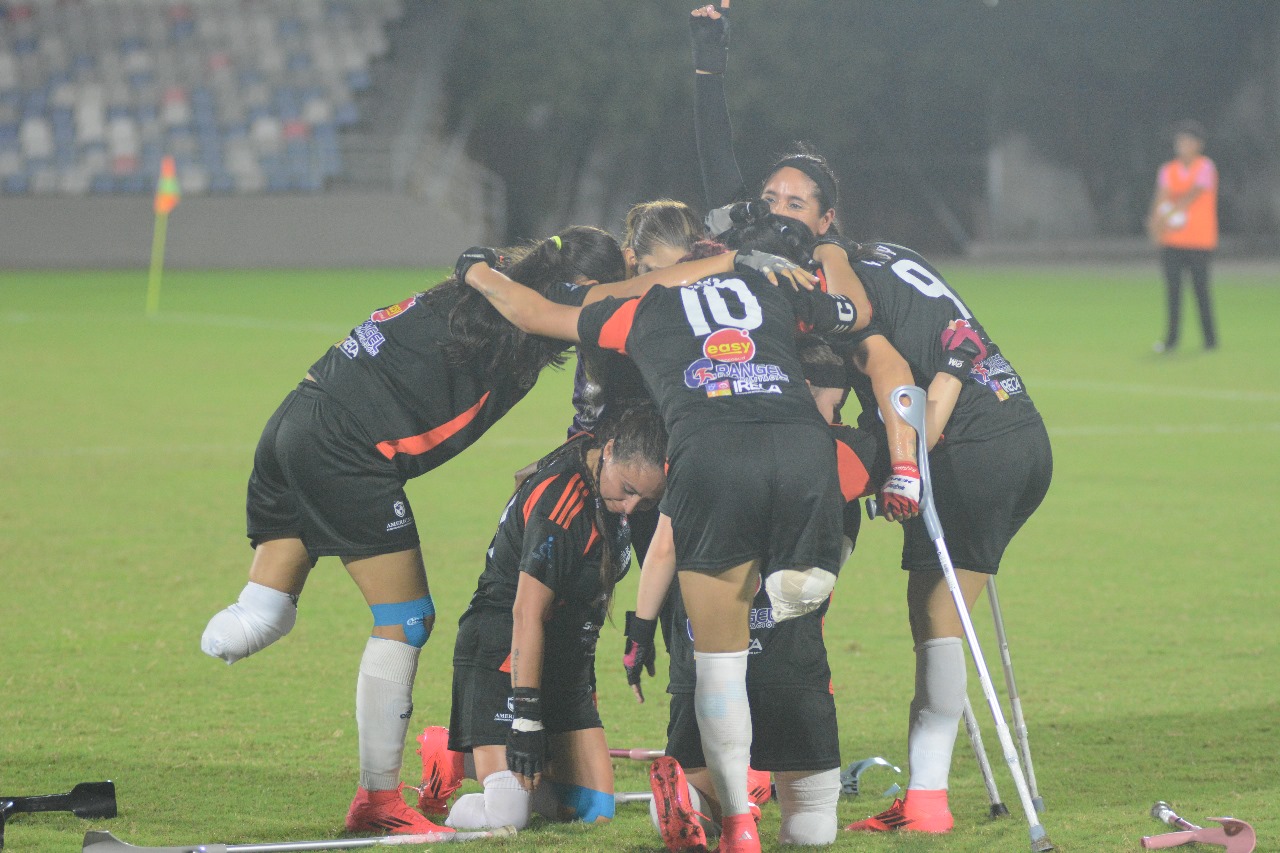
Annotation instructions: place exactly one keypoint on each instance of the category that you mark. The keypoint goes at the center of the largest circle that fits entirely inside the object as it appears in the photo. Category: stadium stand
(249, 96)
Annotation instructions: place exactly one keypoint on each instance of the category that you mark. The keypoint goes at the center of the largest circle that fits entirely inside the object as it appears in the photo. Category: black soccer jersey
(911, 306)
(548, 531)
(722, 349)
(419, 411)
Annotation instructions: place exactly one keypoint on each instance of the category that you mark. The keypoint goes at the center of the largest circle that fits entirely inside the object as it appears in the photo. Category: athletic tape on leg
(417, 617)
(503, 803)
(808, 800)
(584, 804)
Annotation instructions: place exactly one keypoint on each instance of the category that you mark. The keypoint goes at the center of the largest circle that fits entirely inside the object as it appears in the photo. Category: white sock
(700, 807)
(935, 711)
(261, 616)
(724, 719)
(503, 803)
(808, 803)
(384, 704)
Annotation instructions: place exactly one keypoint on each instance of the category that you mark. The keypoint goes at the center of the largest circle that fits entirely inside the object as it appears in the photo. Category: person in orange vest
(1184, 222)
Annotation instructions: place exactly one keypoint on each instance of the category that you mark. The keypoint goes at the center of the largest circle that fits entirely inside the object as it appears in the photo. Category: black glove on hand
(527, 742)
(471, 257)
(639, 652)
(710, 41)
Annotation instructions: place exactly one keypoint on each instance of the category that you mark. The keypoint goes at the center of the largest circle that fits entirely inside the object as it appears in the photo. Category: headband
(826, 183)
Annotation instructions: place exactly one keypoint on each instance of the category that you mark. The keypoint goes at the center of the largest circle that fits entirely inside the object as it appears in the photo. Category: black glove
(471, 257)
(527, 741)
(710, 41)
(639, 652)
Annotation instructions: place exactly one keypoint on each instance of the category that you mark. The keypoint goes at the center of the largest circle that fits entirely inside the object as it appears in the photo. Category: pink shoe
(920, 812)
(677, 821)
(759, 786)
(739, 834)
(386, 811)
(442, 771)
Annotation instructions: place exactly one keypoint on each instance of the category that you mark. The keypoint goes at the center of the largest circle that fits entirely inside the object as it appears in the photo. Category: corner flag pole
(167, 195)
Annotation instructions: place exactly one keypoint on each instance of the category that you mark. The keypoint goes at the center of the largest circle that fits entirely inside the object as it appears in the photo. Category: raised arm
(721, 178)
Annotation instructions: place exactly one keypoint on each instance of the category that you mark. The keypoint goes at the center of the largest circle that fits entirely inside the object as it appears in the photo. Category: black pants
(1176, 262)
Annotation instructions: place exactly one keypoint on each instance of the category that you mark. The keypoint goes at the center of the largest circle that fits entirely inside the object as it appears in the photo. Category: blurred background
(397, 132)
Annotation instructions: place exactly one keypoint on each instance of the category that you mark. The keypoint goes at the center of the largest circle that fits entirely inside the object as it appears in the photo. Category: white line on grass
(1162, 390)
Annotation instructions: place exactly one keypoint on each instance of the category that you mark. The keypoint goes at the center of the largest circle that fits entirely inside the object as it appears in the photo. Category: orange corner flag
(167, 193)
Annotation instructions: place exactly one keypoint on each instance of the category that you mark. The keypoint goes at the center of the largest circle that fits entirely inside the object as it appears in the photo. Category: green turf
(1140, 600)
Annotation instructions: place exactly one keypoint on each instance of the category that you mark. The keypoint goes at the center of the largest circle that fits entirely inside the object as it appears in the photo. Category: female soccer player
(752, 489)
(991, 471)
(407, 390)
(523, 664)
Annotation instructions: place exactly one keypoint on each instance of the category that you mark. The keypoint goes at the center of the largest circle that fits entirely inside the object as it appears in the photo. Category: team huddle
(715, 360)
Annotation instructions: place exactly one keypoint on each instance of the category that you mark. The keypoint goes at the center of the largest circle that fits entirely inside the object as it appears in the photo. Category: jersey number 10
(699, 300)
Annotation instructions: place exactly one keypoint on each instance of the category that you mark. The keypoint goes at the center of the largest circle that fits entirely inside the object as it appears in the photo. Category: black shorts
(482, 709)
(790, 730)
(747, 491)
(316, 476)
(984, 492)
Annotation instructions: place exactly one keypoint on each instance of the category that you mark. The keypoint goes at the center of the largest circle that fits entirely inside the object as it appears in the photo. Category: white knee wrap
(503, 803)
(260, 617)
(795, 592)
(808, 803)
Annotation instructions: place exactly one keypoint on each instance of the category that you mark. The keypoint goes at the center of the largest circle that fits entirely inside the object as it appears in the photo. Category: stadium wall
(350, 229)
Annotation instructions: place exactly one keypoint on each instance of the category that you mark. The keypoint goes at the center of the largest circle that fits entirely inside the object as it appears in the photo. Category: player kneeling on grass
(524, 661)
(793, 714)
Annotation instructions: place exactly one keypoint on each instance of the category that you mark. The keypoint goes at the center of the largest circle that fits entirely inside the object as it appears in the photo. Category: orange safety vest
(1177, 179)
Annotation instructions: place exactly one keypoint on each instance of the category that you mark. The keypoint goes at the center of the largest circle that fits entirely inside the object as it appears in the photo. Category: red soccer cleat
(739, 834)
(677, 821)
(386, 811)
(922, 811)
(759, 786)
(442, 771)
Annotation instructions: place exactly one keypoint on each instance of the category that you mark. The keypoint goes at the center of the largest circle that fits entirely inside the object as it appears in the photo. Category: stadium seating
(249, 96)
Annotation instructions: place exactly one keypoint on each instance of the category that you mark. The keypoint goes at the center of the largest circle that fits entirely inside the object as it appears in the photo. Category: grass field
(1141, 600)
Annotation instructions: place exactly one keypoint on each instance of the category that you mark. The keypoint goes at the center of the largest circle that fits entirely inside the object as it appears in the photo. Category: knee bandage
(584, 804)
(417, 617)
(503, 803)
(795, 592)
(261, 616)
(808, 803)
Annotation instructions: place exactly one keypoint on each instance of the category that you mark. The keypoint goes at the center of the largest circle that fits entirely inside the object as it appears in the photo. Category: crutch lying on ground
(909, 402)
(86, 800)
(105, 842)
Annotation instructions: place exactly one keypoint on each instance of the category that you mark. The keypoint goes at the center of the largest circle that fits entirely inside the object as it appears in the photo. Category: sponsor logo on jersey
(398, 509)
(733, 345)
(745, 377)
(349, 347)
(761, 618)
(754, 647)
(371, 340)
(384, 314)
(996, 373)
(545, 550)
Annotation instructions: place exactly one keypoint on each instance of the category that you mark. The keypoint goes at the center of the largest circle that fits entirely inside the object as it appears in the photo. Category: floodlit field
(1141, 600)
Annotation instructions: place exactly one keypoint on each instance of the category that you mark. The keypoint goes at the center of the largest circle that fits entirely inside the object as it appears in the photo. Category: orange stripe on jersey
(591, 540)
(535, 494)
(854, 479)
(570, 503)
(506, 665)
(613, 334)
(416, 445)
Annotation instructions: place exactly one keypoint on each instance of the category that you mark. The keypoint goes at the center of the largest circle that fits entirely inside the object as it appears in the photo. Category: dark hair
(1190, 127)
(705, 249)
(816, 168)
(777, 235)
(639, 436)
(663, 222)
(823, 366)
(479, 335)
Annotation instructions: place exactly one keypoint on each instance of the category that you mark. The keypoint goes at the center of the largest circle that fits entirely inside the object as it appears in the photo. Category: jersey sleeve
(607, 323)
(567, 293)
(721, 178)
(557, 529)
